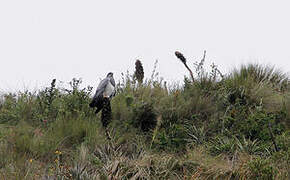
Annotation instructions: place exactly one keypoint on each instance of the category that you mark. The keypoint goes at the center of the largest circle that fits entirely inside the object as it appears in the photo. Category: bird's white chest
(109, 90)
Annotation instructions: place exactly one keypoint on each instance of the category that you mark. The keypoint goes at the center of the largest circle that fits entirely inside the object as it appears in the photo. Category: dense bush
(262, 169)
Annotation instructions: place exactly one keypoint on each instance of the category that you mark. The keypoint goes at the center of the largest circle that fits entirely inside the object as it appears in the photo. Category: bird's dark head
(110, 74)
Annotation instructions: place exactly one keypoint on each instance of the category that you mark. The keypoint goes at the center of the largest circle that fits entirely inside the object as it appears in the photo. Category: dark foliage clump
(144, 117)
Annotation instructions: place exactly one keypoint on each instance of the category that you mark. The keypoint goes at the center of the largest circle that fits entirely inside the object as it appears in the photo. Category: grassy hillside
(233, 126)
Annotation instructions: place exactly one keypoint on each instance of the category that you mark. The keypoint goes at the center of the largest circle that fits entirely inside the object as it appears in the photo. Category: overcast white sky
(41, 40)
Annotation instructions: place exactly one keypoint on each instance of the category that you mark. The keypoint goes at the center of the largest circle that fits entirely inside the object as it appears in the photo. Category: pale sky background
(41, 40)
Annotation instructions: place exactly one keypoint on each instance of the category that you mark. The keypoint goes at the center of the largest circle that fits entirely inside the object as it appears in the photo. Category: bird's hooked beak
(110, 74)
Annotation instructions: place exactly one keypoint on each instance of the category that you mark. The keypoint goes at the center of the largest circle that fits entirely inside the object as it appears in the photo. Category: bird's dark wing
(103, 84)
(98, 97)
(112, 80)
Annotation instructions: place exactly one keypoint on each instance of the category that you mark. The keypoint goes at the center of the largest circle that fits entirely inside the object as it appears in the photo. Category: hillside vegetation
(232, 126)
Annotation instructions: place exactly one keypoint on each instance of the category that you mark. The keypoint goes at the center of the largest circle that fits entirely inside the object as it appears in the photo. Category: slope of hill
(234, 126)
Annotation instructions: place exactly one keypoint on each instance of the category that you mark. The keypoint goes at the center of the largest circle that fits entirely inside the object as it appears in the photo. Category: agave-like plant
(252, 147)
(262, 74)
(196, 135)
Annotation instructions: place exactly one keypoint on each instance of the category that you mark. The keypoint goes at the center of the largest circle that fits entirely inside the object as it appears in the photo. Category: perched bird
(104, 93)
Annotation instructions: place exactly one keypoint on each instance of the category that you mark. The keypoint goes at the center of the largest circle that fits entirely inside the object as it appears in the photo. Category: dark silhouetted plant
(139, 71)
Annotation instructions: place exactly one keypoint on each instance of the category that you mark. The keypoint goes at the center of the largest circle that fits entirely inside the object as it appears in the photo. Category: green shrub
(144, 117)
(254, 147)
(261, 169)
(8, 113)
(283, 141)
(173, 138)
(196, 135)
(222, 145)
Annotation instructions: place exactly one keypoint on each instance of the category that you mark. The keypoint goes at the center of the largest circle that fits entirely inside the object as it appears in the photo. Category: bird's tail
(98, 110)
(92, 104)
(96, 102)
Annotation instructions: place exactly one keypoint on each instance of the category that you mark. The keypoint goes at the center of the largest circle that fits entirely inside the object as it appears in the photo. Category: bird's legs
(106, 115)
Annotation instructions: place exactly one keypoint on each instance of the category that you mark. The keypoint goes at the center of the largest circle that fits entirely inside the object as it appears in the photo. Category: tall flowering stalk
(183, 60)
(139, 71)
